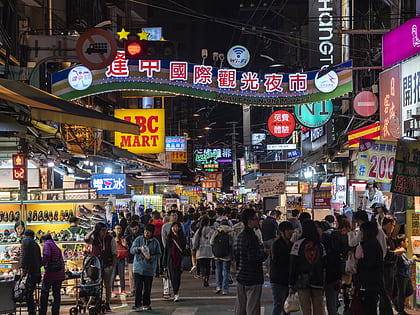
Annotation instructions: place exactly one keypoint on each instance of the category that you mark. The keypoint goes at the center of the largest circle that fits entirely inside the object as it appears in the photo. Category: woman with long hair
(105, 248)
(172, 256)
(201, 243)
(119, 267)
(307, 269)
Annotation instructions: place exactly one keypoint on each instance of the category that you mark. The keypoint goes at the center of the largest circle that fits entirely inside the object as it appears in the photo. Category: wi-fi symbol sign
(238, 51)
(238, 56)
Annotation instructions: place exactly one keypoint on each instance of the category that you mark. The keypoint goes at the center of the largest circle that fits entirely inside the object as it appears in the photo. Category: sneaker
(137, 307)
(113, 294)
(218, 290)
(224, 293)
(193, 268)
(147, 308)
(125, 293)
(197, 277)
(131, 294)
(176, 298)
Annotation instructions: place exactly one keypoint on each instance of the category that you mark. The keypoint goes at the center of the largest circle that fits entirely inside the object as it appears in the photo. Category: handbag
(19, 290)
(292, 303)
(166, 286)
(54, 265)
(351, 267)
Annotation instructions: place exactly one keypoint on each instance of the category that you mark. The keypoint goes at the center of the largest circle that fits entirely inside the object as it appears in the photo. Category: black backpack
(221, 246)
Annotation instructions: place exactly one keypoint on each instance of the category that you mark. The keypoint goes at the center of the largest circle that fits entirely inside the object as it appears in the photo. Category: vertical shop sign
(324, 42)
(390, 104)
(410, 96)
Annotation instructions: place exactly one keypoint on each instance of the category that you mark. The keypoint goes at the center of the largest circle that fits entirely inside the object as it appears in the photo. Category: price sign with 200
(381, 166)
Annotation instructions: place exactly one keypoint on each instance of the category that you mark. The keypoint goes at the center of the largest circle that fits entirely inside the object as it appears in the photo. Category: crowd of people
(356, 259)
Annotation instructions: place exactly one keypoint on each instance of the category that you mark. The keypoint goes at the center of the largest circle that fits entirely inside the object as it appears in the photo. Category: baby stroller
(90, 288)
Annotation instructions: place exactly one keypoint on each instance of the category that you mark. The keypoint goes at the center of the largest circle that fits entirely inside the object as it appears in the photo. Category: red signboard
(213, 180)
(322, 199)
(365, 104)
(281, 124)
(390, 105)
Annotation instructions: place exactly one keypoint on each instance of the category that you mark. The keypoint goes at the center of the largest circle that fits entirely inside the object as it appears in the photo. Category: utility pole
(235, 167)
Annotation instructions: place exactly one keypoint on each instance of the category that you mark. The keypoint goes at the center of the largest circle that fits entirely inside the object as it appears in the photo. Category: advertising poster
(271, 185)
(376, 160)
(406, 176)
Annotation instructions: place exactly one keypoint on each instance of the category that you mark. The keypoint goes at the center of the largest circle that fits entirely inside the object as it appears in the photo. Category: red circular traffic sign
(96, 48)
(365, 104)
(281, 124)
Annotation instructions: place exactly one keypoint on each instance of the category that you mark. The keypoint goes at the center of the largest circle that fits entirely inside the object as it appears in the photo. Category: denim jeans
(119, 269)
(222, 274)
(45, 292)
(280, 293)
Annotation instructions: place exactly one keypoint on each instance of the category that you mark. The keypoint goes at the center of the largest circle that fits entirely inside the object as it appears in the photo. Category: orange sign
(179, 157)
(152, 130)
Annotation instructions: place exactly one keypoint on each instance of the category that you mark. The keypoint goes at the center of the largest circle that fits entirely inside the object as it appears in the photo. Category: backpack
(221, 247)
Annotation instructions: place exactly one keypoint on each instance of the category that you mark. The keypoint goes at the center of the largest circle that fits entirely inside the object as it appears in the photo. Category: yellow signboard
(179, 157)
(152, 130)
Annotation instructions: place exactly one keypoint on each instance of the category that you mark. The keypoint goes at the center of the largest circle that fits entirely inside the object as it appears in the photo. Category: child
(403, 276)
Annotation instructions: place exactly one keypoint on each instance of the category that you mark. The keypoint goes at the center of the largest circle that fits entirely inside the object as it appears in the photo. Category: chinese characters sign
(410, 94)
(212, 155)
(376, 160)
(109, 184)
(152, 130)
(271, 185)
(406, 177)
(207, 82)
(213, 180)
(175, 144)
(281, 124)
(390, 105)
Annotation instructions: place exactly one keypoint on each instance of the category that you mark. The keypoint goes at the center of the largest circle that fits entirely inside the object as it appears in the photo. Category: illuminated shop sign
(109, 184)
(152, 130)
(175, 144)
(211, 155)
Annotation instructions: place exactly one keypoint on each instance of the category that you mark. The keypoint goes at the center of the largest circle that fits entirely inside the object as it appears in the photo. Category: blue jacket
(141, 265)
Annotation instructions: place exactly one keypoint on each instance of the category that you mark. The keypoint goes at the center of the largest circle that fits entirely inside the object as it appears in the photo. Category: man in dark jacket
(269, 229)
(279, 268)
(250, 256)
(30, 264)
(134, 228)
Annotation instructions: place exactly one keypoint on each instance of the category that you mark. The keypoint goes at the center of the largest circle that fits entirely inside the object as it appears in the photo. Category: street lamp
(309, 174)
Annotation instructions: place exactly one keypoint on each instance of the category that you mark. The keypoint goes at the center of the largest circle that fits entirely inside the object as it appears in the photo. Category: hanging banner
(152, 130)
(406, 178)
(271, 185)
(368, 132)
(376, 160)
(172, 78)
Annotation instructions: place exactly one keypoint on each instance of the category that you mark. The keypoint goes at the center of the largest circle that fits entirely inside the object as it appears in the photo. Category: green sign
(314, 115)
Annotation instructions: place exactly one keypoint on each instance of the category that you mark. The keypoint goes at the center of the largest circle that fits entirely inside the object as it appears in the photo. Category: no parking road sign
(96, 48)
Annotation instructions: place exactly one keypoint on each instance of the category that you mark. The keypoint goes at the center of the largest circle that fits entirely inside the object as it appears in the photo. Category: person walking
(53, 262)
(146, 251)
(307, 269)
(134, 233)
(370, 268)
(175, 243)
(30, 264)
(221, 242)
(122, 254)
(279, 267)
(403, 276)
(105, 248)
(269, 230)
(250, 255)
(201, 244)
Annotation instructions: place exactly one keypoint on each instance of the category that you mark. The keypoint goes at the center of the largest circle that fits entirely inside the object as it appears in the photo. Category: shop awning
(45, 106)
